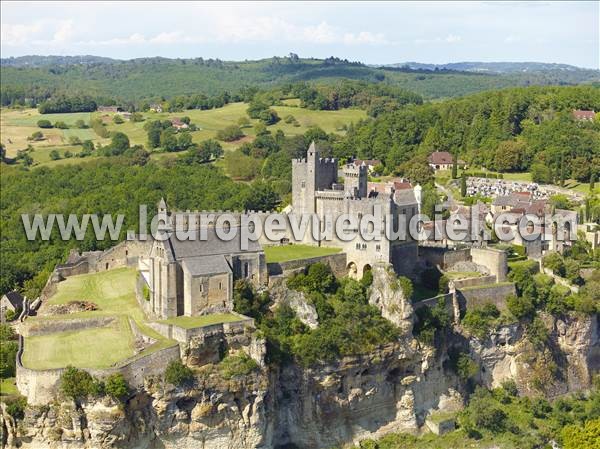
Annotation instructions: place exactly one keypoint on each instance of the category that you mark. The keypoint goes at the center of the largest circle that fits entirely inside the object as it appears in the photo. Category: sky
(370, 32)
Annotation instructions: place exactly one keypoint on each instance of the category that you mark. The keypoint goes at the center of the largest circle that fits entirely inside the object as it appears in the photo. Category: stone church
(196, 277)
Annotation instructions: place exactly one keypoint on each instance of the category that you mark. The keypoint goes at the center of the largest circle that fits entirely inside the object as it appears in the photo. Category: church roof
(204, 266)
(212, 245)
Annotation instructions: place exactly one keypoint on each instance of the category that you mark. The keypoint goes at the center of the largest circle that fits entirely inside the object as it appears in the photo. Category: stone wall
(475, 281)
(337, 262)
(442, 257)
(494, 259)
(34, 328)
(496, 294)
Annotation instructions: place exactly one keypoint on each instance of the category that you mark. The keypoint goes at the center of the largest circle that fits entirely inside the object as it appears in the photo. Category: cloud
(64, 31)
(451, 39)
(18, 34)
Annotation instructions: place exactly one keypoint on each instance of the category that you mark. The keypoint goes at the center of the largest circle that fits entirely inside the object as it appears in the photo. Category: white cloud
(452, 38)
(18, 34)
(64, 32)
(449, 39)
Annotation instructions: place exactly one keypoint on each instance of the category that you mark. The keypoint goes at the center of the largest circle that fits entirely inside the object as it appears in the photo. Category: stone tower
(309, 176)
(355, 180)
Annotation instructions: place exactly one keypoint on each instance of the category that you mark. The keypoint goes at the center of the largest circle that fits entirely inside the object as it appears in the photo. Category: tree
(168, 140)
(61, 125)
(54, 155)
(230, 133)
(44, 123)
(77, 384)
(203, 152)
(184, 141)
(136, 117)
(463, 186)
(119, 143)
(541, 173)
(80, 124)
(37, 135)
(454, 166)
(116, 386)
(117, 119)
(592, 182)
(243, 122)
(178, 374)
(520, 306)
(508, 155)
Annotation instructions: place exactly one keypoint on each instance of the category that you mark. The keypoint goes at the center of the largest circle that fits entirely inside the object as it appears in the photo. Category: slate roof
(199, 266)
(404, 197)
(15, 298)
(213, 245)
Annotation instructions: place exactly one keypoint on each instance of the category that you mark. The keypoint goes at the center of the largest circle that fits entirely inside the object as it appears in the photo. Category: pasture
(16, 125)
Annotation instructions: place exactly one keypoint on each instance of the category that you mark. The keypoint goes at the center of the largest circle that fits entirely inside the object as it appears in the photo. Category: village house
(584, 116)
(11, 301)
(370, 163)
(178, 124)
(155, 107)
(442, 160)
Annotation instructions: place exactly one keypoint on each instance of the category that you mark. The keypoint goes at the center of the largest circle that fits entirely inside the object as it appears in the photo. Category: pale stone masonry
(316, 190)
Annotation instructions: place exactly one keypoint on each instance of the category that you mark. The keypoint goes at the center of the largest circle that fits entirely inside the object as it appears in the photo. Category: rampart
(337, 262)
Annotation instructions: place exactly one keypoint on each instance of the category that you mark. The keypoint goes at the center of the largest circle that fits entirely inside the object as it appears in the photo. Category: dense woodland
(35, 80)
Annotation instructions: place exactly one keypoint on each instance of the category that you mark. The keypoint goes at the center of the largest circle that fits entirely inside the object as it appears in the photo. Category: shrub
(478, 320)
(237, 365)
(430, 320)
(520, 306)
(443, 284)
(178, 374)
(462, 364)
(37, 135)
(15, 406)
(61, 125)
(80, 124)
(146, 292)
(44, 123)
(230, 133)
(116, 386)
(537, 333)
(78, 384)
(117, 119)
(8, 354)
(584, 436)
(554, 262)
(484, 413)
(68, 154)
(74, 140)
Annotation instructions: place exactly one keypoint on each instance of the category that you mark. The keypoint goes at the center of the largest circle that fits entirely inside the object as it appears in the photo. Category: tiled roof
(198, 266)
(440, 157)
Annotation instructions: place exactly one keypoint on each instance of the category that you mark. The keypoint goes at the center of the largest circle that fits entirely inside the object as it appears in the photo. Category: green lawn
(453, 275)
(113, 292)
(88, 348)
(8, 387)
(296, 252)
(190, 322)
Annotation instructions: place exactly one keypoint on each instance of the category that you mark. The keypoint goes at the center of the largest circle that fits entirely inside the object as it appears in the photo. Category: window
(220, 286)
(246, 269)
(201, 288)
(303, 184)
(378, 247)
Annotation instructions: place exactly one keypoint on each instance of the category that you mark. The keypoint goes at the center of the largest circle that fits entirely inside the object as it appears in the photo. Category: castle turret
(355, 180)
(309, 176)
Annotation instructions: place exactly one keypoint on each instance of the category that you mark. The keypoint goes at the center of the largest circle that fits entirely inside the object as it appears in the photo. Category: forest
(147, 78)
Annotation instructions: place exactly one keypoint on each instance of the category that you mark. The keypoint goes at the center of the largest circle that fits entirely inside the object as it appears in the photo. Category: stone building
(316, 190)
(196, 276)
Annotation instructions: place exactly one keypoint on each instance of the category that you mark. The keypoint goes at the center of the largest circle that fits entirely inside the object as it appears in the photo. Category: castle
(316, 190)
(196, 277)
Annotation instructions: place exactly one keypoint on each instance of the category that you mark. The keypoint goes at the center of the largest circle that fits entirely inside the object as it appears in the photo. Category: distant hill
(152, 78)
(41, 61)
(496, 67)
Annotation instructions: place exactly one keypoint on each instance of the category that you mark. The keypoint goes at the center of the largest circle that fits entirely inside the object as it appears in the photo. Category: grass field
(8, 387)
(190, 322)
(88, 348)
(17, 125)
(113, 292)
(296, 252)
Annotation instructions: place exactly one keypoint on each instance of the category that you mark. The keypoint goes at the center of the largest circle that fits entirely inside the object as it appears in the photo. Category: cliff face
(214, 414)
(565, 364)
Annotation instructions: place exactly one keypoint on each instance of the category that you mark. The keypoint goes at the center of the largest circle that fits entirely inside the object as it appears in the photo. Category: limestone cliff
(565, 364)
(386, 293)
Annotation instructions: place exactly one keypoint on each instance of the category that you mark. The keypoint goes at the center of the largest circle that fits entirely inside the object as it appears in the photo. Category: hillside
(160, 77)
(501, 67)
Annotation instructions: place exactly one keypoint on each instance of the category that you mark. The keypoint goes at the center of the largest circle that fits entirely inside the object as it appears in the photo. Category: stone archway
(352, 270)
(366, 268)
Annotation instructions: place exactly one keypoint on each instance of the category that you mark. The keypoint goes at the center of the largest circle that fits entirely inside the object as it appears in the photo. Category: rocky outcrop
(386, 294)
(214, 414)
(565, 364)
(305, 311)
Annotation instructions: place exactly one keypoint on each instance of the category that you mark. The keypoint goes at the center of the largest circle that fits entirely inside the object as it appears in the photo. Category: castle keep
(316, 190)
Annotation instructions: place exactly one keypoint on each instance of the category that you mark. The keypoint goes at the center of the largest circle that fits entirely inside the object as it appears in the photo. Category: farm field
(17, 125)
(113, 292)
(296, 252)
